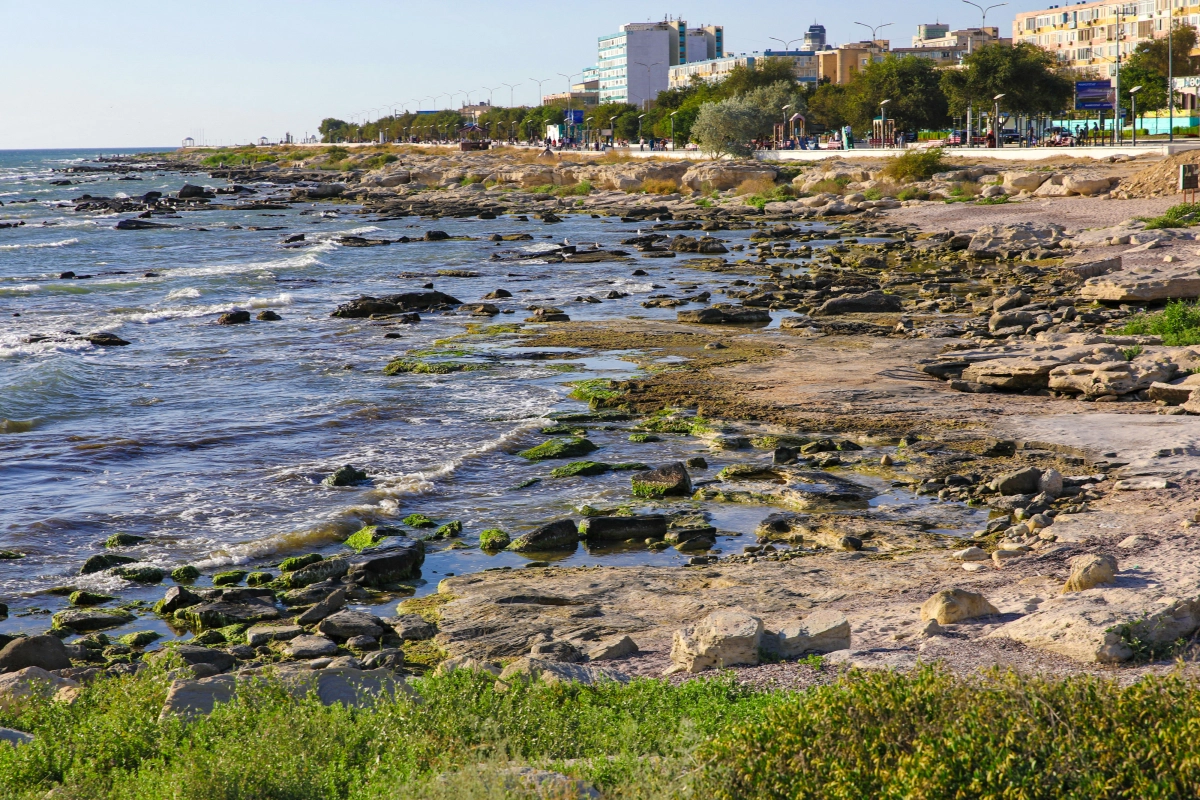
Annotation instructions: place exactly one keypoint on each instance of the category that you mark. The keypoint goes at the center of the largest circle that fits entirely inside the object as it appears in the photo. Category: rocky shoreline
(985, 365)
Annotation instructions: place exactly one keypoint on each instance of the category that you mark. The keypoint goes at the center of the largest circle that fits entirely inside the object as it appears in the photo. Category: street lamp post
(787, 45)
(587, 131)
(612, 127)
(510, 86)
(883, 117)
(673, 113)
(1133, 111)
(872, 28)
(783, 133)
(983, 12)
(640, 128)
(996, 119)
(649, 87)
(539, 83)
(569, 77)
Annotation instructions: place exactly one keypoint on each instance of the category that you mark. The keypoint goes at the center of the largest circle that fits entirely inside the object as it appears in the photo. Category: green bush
(912, 194)
(1178, 324)
(916, 165)
(1183, 215)
(926, 734)
(998, 200)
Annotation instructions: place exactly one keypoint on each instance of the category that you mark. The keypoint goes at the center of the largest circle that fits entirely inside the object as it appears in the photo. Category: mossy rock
(628, 466)
(403, 366)
(644, 438)
(8, 555)
(771, 441)
(234, 634)
(139, 639)
(185, 574)
(594, 389)
(580, 468)
(259, 578)
(103, 561)
(82, 598)
(449, 530)
(419, 521)
(558, 448)
(89, 599)
(564, 430)
(83, 620)
(141, 574)
(493, 540)
(365, 537)
(123, 540)
(231, 578)
(743, 471)
(345, 476)
(525, 484)
(209, 637)
(299, 562)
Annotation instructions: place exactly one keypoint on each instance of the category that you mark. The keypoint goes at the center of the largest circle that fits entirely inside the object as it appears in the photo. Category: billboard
(574, 116)
(1093, 95)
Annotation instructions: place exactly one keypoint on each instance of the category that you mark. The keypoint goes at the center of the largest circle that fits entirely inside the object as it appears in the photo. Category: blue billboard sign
(574, 116)
(1093, 95)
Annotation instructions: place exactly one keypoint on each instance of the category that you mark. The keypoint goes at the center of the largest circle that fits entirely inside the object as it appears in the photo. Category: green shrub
(1178, 324)
(886, 734)
(829, 186)
(998, 200)
(916, 165)
(581, 189)
(912, 194)
(1183, 215)
(873, 194)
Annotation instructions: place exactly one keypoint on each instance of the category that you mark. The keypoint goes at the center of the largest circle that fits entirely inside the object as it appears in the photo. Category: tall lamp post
(569, 77)
(646, 100)
(510, 86)
(673, 113)
(996, 119)
(640, 128)
(783, 133)
(1133, 111)
(612, 127)
(983, 12)
(787, 45)
(539, 83)
(882, 117)
(872, 28)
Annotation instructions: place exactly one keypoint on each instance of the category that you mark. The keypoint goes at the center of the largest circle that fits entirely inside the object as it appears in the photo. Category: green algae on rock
(419, 521)
(82, 621)
(82, 598)
(345, 476)
(123, 540)
(558, 448)
(494, 539)
(673, 479)
(299, 562)
(231, 578)
(141, 574)
(185, 574)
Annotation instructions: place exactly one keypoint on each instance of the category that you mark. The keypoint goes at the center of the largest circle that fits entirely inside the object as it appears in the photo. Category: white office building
(634, 63)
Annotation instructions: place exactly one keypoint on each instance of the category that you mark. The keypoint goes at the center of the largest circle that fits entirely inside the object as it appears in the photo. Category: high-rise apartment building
(814, 38)
(1087, 37)
(633, 64)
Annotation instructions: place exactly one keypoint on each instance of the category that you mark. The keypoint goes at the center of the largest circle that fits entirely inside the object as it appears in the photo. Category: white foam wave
(180, 294)
(13, 346)
(307, 259)
(360, 231)
(22, 288)
(277, 301)
(633, 287)
(39, 245)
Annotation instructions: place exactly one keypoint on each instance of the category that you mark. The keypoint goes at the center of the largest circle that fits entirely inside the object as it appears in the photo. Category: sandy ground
(1074, 213)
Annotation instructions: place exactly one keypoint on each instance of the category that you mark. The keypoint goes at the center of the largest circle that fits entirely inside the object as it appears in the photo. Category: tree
(911, 84)
(1027, 76)
(726, 127)
(332, 129)
(827, 105)
(1147, 67)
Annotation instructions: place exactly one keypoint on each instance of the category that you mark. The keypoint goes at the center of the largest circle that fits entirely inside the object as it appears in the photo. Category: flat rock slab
(1144, 284)
(311, 647)
(222, 613)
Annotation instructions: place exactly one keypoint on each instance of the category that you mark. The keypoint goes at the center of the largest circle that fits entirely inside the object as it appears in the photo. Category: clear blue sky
(102, 73)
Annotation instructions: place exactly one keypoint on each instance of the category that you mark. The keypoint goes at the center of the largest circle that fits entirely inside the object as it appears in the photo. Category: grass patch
(830, 186)
(581, 189)
(916, 165)
(772, 195)
(1183, 215)
(1178, 324)
(924, 734)
(402, 366)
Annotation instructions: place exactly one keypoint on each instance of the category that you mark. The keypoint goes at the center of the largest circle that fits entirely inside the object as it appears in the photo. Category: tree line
(748, 103)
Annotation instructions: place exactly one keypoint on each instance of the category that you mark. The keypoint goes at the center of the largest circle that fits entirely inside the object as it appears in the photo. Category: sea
(212, 441)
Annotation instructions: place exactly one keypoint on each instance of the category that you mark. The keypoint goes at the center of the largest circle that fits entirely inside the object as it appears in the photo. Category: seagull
(566, 242)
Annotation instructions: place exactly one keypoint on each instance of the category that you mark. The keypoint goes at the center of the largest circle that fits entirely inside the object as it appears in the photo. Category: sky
(101, 73)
